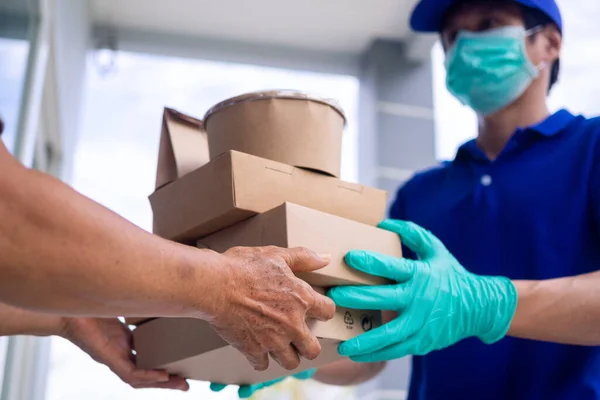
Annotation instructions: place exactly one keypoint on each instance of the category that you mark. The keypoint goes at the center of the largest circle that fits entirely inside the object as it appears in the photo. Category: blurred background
(83, 84)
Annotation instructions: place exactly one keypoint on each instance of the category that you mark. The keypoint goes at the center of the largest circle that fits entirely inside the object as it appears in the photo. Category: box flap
(262, 184)
(204, 195)
(194, 336)
(183, 147)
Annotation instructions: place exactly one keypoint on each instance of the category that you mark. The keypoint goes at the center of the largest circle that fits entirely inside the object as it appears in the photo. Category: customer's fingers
(308, 346)
(287, 357)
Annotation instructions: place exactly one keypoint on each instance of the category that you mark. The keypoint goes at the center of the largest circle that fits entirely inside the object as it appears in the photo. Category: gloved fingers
(217, 387)
(397, 269)
(418, 239)
(247, 391)
(389, 297)
(304, 375)
(377, 339)
(393, 352)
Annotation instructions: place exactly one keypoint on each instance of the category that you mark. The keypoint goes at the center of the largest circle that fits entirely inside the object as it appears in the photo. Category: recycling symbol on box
(348, 318)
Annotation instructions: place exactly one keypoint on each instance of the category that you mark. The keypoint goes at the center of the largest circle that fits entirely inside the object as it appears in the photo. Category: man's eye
(490, 23)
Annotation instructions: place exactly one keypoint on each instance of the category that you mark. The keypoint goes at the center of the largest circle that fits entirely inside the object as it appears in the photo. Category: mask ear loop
(534, 30)
(530, 32)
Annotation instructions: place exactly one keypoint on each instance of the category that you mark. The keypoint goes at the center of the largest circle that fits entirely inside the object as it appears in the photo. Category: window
(13, 53)
(115, 163)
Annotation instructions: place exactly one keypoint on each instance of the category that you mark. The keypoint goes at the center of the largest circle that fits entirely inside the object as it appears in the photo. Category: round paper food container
(287, 126)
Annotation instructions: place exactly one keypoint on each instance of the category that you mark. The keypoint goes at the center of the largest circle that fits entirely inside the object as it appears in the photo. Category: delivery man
(518, 213)
(64, 257)
(518, 210)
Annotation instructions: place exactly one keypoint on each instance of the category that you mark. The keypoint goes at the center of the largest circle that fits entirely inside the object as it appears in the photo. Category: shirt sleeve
(398, 211)
(595, 185)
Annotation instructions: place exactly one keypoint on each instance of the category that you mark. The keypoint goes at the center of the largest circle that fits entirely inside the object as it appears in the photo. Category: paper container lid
(275, 94)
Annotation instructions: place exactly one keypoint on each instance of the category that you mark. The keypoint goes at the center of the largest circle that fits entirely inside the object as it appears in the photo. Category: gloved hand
(438, 301)
(247, 391)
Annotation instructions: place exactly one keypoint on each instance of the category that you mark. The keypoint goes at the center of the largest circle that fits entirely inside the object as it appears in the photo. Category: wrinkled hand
(264, 307)
(109, 342)
(246, 391)
(439, 302)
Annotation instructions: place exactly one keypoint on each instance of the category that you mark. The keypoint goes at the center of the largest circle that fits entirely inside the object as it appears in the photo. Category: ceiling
(346, 26)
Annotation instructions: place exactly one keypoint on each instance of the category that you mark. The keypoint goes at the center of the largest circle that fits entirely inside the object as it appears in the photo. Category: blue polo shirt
(533, 213)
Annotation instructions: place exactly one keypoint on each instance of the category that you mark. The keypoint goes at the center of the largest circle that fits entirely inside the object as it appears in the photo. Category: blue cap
(428, 15)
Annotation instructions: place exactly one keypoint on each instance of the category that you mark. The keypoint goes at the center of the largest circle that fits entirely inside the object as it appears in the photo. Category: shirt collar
(554, 124)
(551, 126)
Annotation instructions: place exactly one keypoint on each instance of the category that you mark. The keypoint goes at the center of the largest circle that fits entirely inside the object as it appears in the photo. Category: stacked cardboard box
(261, 169)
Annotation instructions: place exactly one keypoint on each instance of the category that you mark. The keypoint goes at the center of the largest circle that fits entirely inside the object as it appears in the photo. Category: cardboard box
(183, 146)
(137, 320)
(236, 186)
(192, 349)
(291, 225)
(290, 127)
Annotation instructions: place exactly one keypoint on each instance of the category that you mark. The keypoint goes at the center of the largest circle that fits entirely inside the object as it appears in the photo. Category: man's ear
(553, 42)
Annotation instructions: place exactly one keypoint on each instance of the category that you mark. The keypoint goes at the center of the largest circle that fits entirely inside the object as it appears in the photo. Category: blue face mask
(489, 70)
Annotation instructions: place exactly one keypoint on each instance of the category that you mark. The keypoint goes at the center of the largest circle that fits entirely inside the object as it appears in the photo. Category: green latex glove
(247, 391)
(438, 301)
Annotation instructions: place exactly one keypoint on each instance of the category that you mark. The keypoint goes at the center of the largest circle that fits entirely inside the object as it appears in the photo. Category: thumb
(418, 239)
(301, 259)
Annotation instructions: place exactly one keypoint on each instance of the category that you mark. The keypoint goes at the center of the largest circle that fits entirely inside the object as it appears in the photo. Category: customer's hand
(439, 302)
(263, 306)
(108, 342)
(246, 391)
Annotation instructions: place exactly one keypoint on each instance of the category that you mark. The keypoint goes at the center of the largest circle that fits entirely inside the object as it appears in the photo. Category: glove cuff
(501, 296)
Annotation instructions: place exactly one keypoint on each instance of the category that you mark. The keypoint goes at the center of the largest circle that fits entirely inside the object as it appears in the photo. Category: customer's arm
(62, 253)
(107, 341)
(17, 321)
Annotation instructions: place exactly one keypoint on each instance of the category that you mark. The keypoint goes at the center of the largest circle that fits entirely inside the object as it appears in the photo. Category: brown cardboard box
(137, 320)
(290, 127)
(291, 225)
(236, 186)
(183, 146)
(192, 349)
